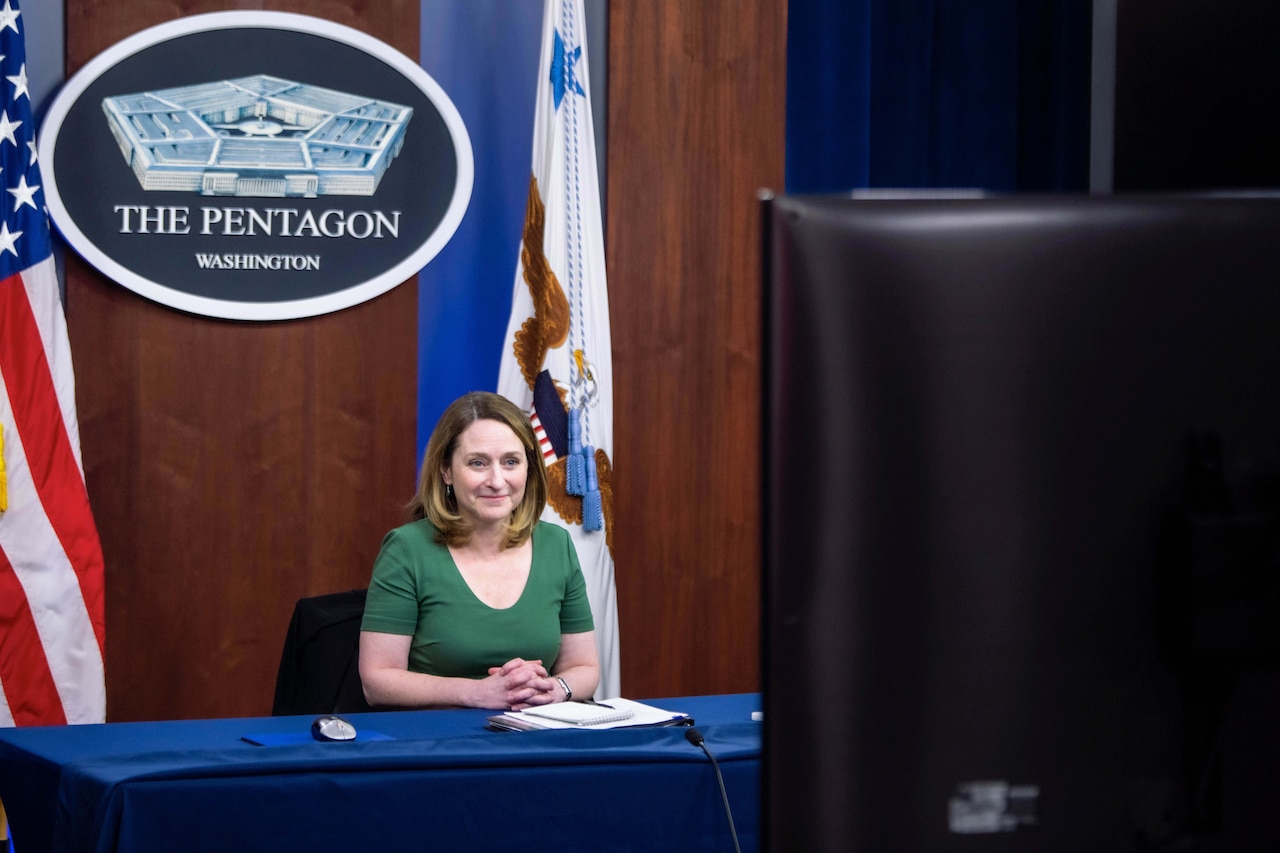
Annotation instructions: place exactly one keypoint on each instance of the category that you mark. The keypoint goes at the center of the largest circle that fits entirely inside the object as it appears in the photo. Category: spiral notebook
(611, 714)
(581, 713)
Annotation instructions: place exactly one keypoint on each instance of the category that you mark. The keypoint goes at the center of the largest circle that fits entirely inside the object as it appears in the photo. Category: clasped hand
(523, 684)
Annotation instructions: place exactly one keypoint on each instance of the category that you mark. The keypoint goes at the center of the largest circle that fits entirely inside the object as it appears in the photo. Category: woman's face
(488, 472)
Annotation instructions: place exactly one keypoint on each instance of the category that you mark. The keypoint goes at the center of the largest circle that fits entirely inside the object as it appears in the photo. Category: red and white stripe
(52, 623)
(544, 444)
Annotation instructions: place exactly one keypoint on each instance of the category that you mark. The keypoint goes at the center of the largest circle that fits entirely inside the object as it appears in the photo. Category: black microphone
(695, 737)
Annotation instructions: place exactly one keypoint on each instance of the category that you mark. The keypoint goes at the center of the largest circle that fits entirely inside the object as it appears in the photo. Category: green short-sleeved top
(417, 590)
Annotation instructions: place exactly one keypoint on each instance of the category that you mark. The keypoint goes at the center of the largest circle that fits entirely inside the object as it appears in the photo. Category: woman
(476, 603)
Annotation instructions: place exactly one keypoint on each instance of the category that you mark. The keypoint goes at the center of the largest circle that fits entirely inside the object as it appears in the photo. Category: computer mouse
(329, 727)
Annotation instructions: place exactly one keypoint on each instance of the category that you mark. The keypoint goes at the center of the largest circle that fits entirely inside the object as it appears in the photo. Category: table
(439, 781)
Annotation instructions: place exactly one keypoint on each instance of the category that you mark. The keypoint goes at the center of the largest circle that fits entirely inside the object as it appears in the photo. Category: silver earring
(448, 490)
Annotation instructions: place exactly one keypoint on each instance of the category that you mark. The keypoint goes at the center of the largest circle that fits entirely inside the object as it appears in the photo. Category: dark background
(1196, 91)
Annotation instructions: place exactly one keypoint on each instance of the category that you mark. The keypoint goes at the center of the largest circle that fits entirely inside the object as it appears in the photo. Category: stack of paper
(610, 714)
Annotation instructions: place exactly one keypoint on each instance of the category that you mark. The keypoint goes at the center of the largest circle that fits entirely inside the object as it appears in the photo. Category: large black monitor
(1022, 473)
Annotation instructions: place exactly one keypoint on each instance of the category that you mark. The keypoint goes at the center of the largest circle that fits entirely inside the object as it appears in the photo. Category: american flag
(51, 568)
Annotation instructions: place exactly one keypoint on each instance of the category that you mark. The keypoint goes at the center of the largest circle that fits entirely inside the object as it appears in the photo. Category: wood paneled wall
(236, 467)
(233, 467)
(696, 127)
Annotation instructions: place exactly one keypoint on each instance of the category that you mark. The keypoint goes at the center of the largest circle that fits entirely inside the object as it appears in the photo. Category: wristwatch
(568, 693)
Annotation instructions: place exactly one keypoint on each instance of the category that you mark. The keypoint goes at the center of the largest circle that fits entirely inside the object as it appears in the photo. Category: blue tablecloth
(438, 781)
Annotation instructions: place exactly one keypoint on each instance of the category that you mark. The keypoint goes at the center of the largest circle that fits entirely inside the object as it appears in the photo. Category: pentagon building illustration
(257, 136)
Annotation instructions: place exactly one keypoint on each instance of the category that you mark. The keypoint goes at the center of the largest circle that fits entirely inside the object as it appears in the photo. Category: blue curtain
(484, 53)
(937, 94)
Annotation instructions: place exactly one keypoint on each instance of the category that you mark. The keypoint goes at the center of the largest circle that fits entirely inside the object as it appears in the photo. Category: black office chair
(319, 668)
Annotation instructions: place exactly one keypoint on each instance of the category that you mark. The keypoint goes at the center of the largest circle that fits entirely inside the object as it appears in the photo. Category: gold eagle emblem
(549, 326)
(548, 329)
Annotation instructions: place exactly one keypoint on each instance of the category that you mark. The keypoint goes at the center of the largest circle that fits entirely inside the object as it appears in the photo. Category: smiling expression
(488, 471)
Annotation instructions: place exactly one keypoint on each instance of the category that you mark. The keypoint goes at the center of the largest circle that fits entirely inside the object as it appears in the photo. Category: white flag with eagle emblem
(557, 361)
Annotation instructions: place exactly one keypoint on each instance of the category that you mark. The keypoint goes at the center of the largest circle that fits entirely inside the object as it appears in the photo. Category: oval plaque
(255, 165)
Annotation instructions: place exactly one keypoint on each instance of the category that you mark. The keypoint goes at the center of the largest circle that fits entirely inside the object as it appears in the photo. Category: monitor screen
(1021, 460)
